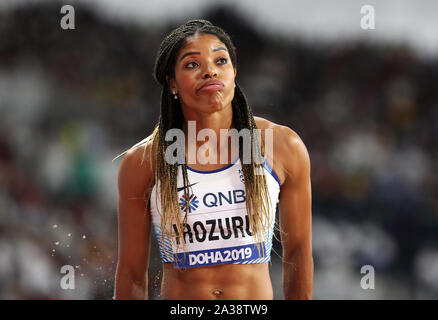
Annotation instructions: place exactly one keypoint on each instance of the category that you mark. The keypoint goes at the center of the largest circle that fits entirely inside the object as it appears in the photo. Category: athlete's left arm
(295, 205)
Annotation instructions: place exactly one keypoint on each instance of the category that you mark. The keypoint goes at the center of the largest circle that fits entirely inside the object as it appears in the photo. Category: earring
(174, 95)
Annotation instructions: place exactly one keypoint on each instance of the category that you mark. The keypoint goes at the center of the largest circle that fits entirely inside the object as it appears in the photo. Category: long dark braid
(171, 117)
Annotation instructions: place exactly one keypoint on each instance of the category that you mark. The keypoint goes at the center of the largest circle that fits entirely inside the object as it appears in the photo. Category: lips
(212, 85)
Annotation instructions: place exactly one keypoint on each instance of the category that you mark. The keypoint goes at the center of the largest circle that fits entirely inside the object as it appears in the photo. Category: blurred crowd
(72, 100)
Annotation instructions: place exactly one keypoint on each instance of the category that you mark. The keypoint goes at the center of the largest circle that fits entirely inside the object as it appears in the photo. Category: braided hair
(171, 116)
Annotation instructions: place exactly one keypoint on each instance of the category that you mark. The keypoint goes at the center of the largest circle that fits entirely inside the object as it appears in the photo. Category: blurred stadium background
(364, 102)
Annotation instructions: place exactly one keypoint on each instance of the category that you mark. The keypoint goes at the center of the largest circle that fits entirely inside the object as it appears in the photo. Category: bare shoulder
(279, 130)
(290, 154)
(135, 172)
(283, 136)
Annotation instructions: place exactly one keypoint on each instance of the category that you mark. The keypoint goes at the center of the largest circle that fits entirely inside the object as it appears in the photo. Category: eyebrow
(197, 52)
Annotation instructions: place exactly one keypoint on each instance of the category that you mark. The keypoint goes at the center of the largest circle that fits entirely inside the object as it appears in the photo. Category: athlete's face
(203, 59)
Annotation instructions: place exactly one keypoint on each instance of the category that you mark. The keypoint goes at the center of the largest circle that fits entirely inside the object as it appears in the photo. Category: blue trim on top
(213, 171)
(268, 167)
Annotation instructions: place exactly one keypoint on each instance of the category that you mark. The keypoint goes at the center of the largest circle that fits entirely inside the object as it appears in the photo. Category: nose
(210, 71)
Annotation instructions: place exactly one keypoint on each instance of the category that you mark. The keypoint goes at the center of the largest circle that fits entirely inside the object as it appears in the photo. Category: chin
(216, 107)
(211, 107)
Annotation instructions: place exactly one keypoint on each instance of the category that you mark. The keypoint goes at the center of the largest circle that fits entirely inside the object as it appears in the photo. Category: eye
(222, 60)
(191, 65)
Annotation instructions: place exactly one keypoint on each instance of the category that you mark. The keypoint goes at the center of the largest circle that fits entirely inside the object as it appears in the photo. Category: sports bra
(217, 229)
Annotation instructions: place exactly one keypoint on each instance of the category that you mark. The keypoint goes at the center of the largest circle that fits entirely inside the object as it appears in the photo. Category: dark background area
(72, 100)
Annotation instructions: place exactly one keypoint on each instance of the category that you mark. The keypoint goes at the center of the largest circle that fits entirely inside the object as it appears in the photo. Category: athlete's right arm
(131, 281)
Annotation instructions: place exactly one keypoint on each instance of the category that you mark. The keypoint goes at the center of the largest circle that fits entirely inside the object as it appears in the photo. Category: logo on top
(182, 188)
(191, 203)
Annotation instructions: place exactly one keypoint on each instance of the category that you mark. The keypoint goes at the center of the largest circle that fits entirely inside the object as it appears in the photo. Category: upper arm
(295, 203)
(134, 178)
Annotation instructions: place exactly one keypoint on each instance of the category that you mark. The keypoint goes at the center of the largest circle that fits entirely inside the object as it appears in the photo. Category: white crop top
(217, 230)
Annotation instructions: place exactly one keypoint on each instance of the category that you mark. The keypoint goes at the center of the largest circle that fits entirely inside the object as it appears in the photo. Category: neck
(214, 122)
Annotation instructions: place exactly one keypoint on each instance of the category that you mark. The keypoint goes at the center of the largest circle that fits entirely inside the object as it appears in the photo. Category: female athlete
(210, 203)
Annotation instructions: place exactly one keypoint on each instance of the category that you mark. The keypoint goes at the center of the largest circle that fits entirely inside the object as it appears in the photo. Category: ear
(235, 72)
(172, 84)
